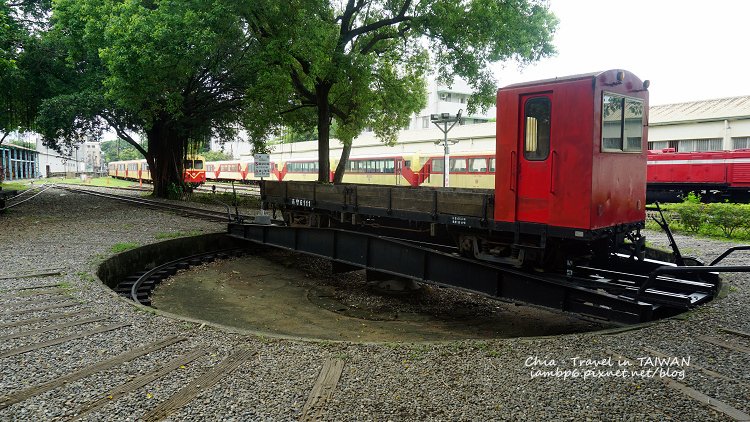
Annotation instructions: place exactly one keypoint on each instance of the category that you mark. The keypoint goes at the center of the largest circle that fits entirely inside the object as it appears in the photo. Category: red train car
(714, 175)
(569, 171)
(571, 161)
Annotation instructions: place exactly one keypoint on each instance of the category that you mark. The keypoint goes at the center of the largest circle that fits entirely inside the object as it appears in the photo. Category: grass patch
(173, 235)
(225, 198)
(14, 186)
(92, 181)
(86, 276)
(122, 247)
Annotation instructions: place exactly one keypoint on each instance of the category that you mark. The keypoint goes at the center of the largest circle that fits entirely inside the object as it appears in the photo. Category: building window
(699, 145)
(741, 143)
(425, 122)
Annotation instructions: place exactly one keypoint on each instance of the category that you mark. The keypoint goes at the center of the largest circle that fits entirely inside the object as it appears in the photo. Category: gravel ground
(459, 380)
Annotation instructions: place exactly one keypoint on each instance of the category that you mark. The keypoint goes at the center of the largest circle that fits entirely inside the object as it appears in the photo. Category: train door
(535, 160)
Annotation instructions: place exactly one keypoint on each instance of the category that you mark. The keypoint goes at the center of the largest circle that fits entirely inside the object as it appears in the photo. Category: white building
(444, 99)
(708, 125)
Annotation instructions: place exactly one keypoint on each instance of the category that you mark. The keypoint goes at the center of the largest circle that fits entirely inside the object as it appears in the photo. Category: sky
(688, 50)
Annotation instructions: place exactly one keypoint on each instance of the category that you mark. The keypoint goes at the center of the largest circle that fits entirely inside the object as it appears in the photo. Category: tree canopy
(173, 72)
(21, 22)
(362, 63)
(177, 73)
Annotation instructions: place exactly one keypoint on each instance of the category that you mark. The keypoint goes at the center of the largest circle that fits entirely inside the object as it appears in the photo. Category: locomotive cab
(571, 164)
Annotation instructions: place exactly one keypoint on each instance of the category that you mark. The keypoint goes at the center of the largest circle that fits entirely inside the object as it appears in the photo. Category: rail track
(140, 285)
(184, 210)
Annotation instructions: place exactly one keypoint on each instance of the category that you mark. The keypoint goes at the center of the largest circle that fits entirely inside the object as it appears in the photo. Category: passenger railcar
(569, 179)
(715, 175)
(194, 171)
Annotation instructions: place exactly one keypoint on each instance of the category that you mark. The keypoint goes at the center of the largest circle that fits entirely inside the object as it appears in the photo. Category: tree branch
(401, 17)
(300, 87)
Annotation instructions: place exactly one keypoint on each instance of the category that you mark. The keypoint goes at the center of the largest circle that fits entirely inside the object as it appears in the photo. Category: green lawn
(93, 181)
(14, 186)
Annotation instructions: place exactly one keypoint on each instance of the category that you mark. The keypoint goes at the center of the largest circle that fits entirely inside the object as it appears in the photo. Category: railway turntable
(561, 228)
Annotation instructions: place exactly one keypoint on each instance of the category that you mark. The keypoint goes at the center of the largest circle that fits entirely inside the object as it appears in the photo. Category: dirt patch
(284, 293)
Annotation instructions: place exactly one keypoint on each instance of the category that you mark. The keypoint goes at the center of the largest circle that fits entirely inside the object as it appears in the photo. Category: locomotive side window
(622, 123)
(537, 116)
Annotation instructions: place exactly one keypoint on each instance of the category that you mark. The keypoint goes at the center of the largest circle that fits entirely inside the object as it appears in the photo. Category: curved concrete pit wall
(124, 264)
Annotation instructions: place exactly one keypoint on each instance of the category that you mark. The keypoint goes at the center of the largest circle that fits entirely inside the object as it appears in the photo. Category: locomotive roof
(705, 110)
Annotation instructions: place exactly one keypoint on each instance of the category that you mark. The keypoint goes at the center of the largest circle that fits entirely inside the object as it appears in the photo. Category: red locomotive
(716, 175)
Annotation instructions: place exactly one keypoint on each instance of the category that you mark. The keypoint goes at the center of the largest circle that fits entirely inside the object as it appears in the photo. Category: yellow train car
(139, 171)
(476, 171)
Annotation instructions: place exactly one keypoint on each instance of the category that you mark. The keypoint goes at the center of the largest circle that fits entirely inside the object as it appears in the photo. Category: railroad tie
(52, 327)
(42, 319)
(700, 368)
(138, 382)
(724, 344)
(735, 332)
(198, 385)
(59, 340)
(44, 308)
(322, 390)
(22, 395)
(696, 395)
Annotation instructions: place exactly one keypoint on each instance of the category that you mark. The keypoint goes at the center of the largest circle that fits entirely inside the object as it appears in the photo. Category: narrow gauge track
(204, 214)
(140, 285)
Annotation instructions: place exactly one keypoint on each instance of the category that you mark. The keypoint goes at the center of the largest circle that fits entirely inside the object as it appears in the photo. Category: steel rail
(191, 211)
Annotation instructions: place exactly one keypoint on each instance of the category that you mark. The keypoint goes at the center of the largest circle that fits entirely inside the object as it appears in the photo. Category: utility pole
(444, 119)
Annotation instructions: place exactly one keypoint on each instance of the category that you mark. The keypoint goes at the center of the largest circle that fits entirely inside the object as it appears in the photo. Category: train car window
(457, 165)
(210, 167)
(537, 113)
(407, 163)
(438, 165)
(492, 165)
(622, 123)
(477, 165)
(633, 124)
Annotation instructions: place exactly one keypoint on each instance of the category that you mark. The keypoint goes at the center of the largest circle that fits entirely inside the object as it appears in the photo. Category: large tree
(174, 72)
(361, 63)
(21, 22)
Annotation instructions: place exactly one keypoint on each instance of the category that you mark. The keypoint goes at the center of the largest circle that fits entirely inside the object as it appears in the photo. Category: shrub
(691, 211)
(728, 217)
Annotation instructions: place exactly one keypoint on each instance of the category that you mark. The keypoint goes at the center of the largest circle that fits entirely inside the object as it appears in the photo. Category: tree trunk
(324, 132)
(341, 167)
(166, 153)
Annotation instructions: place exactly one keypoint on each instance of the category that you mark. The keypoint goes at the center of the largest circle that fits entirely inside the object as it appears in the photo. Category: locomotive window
(537, 113)
(188, 164)
(622, 123)
(492, 165)
(477, 165)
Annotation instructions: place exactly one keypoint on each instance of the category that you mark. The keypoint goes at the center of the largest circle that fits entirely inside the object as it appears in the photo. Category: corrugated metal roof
(718, 109)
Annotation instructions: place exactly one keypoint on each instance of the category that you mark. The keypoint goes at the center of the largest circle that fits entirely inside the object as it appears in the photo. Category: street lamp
(444, 119)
